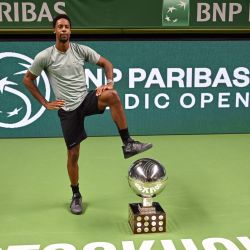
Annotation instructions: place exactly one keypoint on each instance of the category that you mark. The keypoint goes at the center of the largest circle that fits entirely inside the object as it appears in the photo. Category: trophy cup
(147, 178)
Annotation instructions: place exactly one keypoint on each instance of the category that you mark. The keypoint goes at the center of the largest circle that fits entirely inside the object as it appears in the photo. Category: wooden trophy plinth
(147, 219)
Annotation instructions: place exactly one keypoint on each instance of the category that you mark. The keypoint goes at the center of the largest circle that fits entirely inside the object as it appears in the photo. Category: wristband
(110, 81)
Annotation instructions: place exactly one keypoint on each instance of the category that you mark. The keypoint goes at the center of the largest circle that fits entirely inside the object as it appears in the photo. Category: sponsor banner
(161, 15)
(242, 242)
(167, 87)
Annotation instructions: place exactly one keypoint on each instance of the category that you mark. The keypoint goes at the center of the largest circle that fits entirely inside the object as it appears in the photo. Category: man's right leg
(73, 171)
(131, 147)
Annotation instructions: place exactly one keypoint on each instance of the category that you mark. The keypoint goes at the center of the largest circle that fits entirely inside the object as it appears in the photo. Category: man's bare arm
(29, 82)
(108, 68)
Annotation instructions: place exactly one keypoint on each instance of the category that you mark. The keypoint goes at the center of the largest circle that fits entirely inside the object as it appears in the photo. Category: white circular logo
(11, 88)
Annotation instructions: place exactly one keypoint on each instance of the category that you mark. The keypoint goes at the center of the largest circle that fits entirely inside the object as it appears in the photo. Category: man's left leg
(111, 99)
(76, 206)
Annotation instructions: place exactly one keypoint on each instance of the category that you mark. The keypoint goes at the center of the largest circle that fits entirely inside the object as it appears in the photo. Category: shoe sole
(76, 213)
(136, 153)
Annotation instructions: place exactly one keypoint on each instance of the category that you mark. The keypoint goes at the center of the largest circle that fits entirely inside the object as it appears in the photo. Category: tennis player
(64, 65)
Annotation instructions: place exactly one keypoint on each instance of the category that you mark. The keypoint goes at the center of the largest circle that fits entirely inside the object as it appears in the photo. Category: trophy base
(147, 219)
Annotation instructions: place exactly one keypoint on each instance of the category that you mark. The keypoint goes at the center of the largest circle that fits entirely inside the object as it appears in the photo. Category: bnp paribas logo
(16, 106)
(175, 13)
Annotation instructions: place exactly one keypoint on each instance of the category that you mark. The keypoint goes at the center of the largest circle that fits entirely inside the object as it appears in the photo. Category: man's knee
(114, 96)
(73, 155)
(108, 98)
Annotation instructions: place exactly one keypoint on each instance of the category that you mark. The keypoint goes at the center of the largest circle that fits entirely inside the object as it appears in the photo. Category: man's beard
(64, 38)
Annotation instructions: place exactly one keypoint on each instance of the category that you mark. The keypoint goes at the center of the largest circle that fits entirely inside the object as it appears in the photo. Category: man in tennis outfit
(63, 64)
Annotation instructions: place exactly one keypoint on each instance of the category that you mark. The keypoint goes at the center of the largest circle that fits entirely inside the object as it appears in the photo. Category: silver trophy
(147, 178)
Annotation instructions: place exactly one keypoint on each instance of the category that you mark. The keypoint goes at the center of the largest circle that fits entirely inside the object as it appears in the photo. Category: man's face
(62, 30)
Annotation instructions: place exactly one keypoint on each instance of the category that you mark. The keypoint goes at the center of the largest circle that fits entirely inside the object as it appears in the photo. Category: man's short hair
(60, 16)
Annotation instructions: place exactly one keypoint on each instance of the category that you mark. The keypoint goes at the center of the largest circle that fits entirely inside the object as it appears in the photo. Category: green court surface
(207, 196)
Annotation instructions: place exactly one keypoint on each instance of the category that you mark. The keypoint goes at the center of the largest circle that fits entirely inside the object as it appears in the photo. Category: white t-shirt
(65, 72)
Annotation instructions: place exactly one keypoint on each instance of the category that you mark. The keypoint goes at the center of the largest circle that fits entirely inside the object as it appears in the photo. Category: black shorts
(72, 122)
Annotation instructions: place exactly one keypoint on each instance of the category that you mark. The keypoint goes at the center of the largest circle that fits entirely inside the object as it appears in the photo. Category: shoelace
(130, 145)
(76, 200)
(133, 142)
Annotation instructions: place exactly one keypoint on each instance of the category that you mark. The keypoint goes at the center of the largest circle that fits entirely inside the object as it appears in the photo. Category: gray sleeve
(91, 55)
(38, 64)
